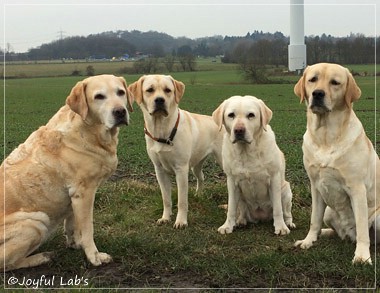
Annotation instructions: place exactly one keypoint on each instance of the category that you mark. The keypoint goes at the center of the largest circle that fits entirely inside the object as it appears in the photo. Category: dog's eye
(313, 79)
(100, 97)
(150, 90)
(120, 93)
(167, 90)
(231, 115)
(334, 82)
(251, 115)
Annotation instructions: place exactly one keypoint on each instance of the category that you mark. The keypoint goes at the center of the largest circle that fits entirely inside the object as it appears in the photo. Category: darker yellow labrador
(53, 176)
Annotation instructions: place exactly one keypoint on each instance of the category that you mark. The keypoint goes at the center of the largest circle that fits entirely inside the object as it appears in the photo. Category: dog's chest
(251, 175)
(251, 166)
(326, 157)
(323, 165)
(162, 156)
(330, 183)
(255, 191)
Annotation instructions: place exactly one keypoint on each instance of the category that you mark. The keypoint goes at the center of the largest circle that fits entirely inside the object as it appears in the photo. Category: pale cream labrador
(53, 176)
(176, 140)
(255, 166)
(342, 165)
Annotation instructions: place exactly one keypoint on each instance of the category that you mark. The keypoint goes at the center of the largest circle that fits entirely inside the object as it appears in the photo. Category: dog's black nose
(119, 112)
(159, 101)
(239, 132)
(319, 94)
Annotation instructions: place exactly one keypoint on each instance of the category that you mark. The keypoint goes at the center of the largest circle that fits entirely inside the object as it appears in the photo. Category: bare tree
(9, 48)
(169, 62)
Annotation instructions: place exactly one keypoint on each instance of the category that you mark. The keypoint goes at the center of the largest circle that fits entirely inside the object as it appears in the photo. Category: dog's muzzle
(160, 106)
(239, 135)
(318, 105)
(121, 116)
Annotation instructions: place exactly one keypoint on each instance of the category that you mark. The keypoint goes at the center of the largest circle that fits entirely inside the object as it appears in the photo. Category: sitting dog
(255, 166)
(176, 140)
(53, 176)
(340, 160)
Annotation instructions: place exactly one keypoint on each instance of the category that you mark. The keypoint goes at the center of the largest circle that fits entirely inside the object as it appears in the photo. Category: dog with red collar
(176, 140)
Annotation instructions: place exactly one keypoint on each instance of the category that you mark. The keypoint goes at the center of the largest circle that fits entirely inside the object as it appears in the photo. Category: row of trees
(93, 46)
(356, 49)
(258, 47)
(168, 63)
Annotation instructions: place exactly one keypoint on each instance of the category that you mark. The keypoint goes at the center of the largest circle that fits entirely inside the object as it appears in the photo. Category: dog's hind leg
(23, 233)
(31, 261)
(71, 237)
(286, 200)
(375, 231)
(198, 173)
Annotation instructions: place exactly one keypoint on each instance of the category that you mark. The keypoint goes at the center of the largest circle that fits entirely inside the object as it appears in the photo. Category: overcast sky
(29, 24)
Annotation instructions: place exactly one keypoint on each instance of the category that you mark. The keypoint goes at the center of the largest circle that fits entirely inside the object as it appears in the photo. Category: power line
(61, 34)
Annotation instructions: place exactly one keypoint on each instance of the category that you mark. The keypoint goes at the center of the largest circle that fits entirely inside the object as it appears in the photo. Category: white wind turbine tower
(297, 47)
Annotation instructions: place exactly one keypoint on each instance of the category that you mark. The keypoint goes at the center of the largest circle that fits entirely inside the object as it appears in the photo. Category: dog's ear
(77, 100)
(130, 98)
(136, 90)
(266, 115)
(179, 89)
(218, 115)
(299, 88)
(353, 92)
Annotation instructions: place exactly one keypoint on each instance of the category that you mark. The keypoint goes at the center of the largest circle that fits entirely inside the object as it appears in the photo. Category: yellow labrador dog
(342, 165)
(176, 140)
(52, 177)
(255, 166)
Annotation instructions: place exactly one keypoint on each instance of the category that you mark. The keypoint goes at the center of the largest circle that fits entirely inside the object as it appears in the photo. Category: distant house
(124, 57)
(98, 57)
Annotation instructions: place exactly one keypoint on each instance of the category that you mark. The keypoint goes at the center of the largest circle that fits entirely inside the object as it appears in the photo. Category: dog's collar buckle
(168, 141)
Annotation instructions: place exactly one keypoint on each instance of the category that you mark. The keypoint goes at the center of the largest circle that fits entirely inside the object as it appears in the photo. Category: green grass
(126, 209)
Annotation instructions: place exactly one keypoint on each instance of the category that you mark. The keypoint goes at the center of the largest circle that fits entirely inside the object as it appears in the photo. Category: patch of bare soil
(115, 275)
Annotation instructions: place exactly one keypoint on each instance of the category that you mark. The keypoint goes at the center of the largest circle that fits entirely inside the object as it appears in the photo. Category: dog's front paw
(362, 256)
(281, 230)
(163, 221)
(290, 224)
(225, 229)
(181, 220)
(304, 244)
(180, 224)
(362, 260)
(100, 258)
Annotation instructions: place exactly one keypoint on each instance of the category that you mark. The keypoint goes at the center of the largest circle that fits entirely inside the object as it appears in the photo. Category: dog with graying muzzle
(52, 177)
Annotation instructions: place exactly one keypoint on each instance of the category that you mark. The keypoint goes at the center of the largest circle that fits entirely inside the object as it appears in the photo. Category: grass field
(127, 206)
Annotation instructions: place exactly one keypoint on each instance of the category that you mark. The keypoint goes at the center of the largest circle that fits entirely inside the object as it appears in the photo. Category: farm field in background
(58, 68)
(127, 206)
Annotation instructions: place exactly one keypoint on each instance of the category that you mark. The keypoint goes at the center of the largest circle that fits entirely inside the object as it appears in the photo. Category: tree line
(354, 49)
(256, 47)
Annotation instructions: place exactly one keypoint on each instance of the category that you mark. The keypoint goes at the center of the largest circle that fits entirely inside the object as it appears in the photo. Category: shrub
(90, 70)
(75, 72)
